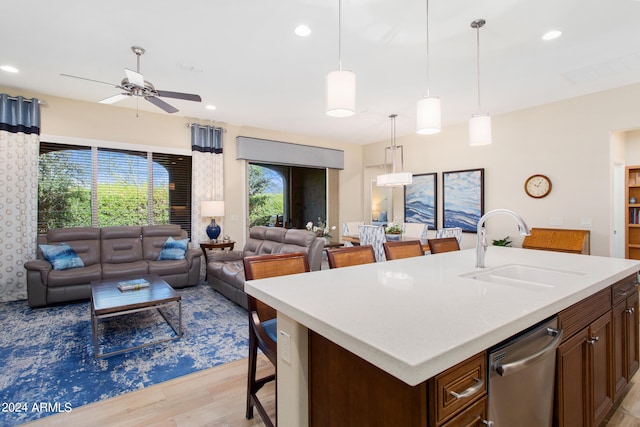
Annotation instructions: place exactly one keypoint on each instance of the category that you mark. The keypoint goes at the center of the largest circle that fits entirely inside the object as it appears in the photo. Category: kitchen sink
(515, 274)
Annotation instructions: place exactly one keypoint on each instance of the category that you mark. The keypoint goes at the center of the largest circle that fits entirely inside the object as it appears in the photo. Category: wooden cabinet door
(632, 330)
(571, 383)
(601, 367)
(620, 338)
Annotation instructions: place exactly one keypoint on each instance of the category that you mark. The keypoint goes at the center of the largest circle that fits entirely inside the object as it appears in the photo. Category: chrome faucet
(481, 244)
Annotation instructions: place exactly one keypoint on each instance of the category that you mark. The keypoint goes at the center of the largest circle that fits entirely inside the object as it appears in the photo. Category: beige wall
(569, 141)
(85, 120)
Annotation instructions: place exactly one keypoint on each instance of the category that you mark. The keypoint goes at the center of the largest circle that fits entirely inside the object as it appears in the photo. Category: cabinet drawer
(473, 416)
(579, 315)
(624, 288)
(468, 375)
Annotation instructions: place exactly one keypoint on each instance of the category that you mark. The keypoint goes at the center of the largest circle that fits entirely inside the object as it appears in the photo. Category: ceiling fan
(135, 85)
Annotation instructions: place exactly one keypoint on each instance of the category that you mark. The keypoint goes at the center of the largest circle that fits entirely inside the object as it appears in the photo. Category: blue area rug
(48, 363)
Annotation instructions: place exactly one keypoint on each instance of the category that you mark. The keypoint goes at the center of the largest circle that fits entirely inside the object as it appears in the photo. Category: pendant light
(394, 179)
(341, 84)
(480, 123)
(428, 110)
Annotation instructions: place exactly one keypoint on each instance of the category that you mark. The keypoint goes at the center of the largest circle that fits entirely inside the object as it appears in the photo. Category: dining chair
(373, 235)
(402, 249)
(348, 256)
(450, 232)
(350, 228)
(445, 244)
(263, 323)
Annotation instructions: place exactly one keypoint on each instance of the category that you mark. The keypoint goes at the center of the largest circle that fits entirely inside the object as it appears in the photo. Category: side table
(213, 244)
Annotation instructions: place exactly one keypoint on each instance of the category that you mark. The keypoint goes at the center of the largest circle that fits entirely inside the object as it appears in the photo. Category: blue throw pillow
(382, 217)
(61, 257)
(173, 249)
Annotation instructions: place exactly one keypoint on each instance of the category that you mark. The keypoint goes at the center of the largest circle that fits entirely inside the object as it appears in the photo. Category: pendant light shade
(341, 84)
(341, 93)
(394, 179)
(428, 117)
(480, 123)
(480, 129)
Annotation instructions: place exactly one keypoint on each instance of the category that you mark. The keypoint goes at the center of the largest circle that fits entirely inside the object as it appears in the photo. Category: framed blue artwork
(463, 198)
(420, 200)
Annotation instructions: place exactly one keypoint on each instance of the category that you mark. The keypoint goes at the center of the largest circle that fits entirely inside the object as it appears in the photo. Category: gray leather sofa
(225, 270)
(108, 252)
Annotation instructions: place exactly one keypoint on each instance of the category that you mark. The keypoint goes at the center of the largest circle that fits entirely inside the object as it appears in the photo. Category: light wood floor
(216, 397)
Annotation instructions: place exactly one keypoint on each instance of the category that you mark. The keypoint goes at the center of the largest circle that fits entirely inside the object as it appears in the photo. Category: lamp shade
(480, 129)
(341, 93)
(428, 116)
(210, 209)
(394, 179)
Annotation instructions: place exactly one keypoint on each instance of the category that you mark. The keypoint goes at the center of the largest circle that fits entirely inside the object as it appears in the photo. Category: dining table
(355, 240)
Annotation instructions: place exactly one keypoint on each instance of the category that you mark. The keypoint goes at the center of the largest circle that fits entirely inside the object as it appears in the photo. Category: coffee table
(108, 301)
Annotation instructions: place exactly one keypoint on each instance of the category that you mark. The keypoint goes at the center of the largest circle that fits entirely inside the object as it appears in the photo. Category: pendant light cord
(340, 35)
(393, 142)
(478, 61)
(427, 31)
(477, 26)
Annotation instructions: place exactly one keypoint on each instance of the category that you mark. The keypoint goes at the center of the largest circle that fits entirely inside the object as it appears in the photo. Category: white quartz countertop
(416, 317)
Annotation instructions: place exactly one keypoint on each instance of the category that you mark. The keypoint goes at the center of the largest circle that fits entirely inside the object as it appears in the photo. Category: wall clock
(537, 186)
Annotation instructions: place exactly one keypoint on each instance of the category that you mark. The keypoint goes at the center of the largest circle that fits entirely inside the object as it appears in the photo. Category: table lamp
(212, 209)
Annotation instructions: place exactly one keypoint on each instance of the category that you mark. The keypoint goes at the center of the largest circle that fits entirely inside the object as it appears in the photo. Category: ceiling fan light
(341, 93)
(480, 129)
(428, 117)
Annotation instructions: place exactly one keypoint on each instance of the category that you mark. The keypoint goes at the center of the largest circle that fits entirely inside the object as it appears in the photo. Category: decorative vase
(213, 230)
(393, 236)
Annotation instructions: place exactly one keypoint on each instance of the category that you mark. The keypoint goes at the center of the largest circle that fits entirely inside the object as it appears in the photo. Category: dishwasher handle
(509, 368)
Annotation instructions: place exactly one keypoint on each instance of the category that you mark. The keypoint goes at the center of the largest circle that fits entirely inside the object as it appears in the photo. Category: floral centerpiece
(321, 229)
(393, 231)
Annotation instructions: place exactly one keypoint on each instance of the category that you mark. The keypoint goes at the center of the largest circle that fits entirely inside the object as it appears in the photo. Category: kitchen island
(417, 317)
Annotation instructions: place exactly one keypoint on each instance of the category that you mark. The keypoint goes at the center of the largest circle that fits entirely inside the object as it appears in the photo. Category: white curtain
(18, 210)
(19, 149)
(207, 176)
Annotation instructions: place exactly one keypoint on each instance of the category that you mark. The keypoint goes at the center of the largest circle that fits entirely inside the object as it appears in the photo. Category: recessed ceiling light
(210, 107)
(553, 34)
(8, 68)
(302, 30)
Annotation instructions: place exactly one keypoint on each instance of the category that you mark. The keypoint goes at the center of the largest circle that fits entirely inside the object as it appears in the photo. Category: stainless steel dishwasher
(522, 376)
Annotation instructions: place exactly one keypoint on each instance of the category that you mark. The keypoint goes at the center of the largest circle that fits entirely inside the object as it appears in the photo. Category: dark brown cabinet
(625, 333)
(584, 386)
(345, 390)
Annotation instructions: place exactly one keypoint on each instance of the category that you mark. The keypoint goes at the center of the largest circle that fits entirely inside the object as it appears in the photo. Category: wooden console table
(559, 240)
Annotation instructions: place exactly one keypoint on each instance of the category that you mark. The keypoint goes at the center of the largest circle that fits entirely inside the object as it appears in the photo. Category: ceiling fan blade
(179, 95)
(160, 103)
(91, 80)
(115, 98)
(134, 77)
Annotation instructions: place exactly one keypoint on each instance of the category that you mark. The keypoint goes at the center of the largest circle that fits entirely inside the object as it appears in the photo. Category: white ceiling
(243, 57)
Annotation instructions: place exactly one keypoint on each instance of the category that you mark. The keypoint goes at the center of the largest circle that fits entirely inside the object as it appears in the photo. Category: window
(288, 196)
(89, 186)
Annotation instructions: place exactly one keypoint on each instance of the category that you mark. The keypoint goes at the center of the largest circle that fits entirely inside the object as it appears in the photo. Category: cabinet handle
(630, 310)
(487, 423)
(470, 391)
(593, 340)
